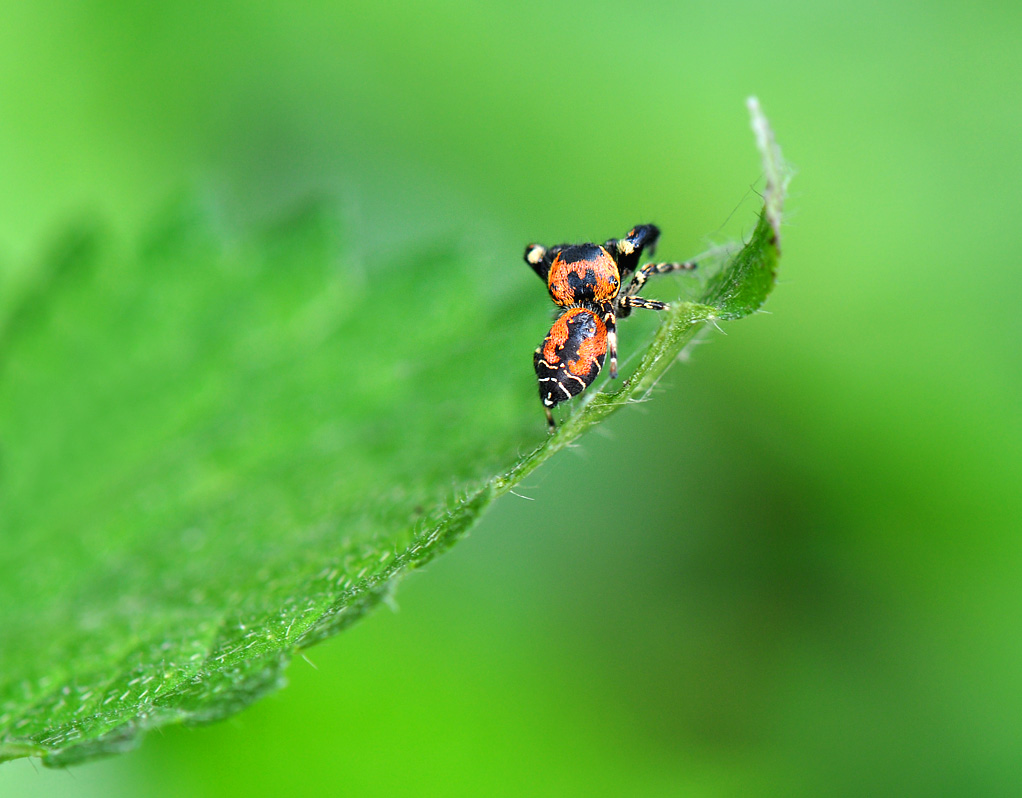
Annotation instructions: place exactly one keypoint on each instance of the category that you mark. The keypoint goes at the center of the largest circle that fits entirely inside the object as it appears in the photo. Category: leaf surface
(213, 454)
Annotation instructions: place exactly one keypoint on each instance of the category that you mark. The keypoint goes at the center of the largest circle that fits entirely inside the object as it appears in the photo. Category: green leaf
(214, 453)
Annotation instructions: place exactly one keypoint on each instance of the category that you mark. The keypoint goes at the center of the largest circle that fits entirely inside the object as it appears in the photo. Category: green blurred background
(820, 587)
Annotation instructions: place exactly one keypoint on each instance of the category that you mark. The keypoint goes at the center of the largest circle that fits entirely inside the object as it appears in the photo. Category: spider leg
(628, 250)
(643, 274)
(610, 320)
(541, 259)
(537, 256)
(627, 303)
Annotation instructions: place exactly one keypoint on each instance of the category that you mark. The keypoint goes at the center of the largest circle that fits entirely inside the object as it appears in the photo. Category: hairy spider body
(571, 355)
(585, 280)
(584, 273)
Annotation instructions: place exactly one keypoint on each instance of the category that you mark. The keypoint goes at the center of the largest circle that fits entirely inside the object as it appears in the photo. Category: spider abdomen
(571, 355)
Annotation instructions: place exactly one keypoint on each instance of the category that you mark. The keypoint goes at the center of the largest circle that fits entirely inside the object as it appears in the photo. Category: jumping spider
(585, 280)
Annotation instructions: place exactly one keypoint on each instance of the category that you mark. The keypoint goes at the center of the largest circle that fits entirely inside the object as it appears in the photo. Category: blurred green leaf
(214, 454)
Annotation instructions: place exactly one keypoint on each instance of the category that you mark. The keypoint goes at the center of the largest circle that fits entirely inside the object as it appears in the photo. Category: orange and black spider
(585, 280)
